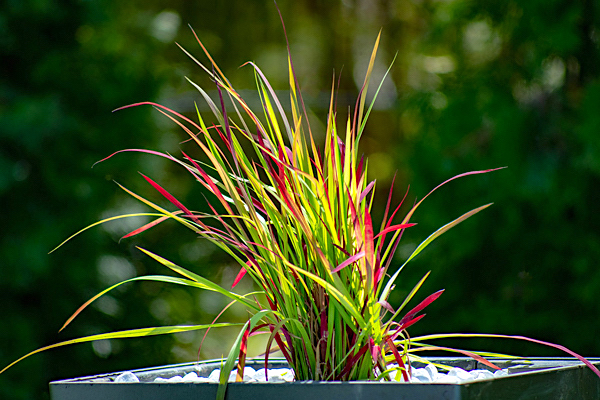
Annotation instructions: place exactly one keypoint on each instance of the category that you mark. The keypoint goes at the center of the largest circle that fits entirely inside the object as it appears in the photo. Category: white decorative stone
(214, 375)
(433, 372)
(428, 374)
(445, 378)
(420, 375)
(396, 374)
(460, 373)
(249, 373)
(127, 377)
(190, 377)
(274, 375)
(479, 374)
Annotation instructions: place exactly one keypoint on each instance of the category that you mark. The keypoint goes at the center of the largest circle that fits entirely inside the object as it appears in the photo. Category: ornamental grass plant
(297, 217)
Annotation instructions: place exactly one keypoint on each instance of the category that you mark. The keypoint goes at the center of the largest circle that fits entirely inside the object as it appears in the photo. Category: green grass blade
(164, 279)
(235, 350)
(197, 278)
(426, 242)
(102, 222)
(132, 333)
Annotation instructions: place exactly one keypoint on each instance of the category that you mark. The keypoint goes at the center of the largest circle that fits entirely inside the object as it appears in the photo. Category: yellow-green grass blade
(209, 101)
(433, 236)
(362, 127)
(418, 346)
(514, 337)
(171, 215)
(275, 99)
(102, 222)
(216, 160)
(197, 278)
(414, 208)
(363, 91)
(213, 63)
(445, 228)
(338, 291)
(235, 350)
(132, 333)
(165, 279)
(467, 353)
(272, 120)
(408, 298)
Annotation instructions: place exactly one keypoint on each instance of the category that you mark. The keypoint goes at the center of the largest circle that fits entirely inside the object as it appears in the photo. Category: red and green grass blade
(235, 350)
(514, 337)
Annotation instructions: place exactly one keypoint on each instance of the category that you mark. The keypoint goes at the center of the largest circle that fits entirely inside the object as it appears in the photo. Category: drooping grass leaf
(132, 333)
(426, 242)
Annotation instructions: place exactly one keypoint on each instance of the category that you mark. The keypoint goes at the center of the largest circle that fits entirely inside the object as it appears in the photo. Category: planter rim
(521, 366)
(543, 378)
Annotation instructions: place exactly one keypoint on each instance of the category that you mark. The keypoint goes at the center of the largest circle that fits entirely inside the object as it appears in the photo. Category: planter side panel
(342, 391)
(292, 391)
(133, 391)
(532, 382)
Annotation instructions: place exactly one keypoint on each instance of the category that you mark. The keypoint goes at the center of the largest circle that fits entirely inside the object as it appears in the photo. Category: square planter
(540, 378)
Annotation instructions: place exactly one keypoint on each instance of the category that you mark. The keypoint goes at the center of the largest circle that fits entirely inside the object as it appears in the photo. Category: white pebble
(420, 375)
(479, 374)
(444, 378)
(249, 373)
(397, 372)
(417, 375)
(127, 377)
(433, 372)
(460, 373)
(214, 375)
(274, 375)
(190, 377)
(232, 376)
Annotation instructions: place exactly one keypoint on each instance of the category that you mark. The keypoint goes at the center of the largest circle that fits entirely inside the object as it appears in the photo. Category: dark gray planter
(542, 378)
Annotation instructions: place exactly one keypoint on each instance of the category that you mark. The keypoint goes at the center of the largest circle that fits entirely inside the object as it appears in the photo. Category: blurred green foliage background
(475, 85)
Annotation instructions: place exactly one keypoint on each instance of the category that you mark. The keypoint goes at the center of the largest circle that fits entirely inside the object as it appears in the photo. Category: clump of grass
(298, 221)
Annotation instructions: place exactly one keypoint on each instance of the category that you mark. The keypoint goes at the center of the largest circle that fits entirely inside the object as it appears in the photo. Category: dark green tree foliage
(475, 85)
(523, 93)
(65, 65)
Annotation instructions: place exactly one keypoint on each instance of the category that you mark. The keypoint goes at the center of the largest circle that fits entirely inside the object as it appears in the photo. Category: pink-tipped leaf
(349, 261)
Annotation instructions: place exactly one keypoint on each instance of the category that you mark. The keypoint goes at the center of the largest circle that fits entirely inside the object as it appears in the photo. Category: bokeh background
(475, 85)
